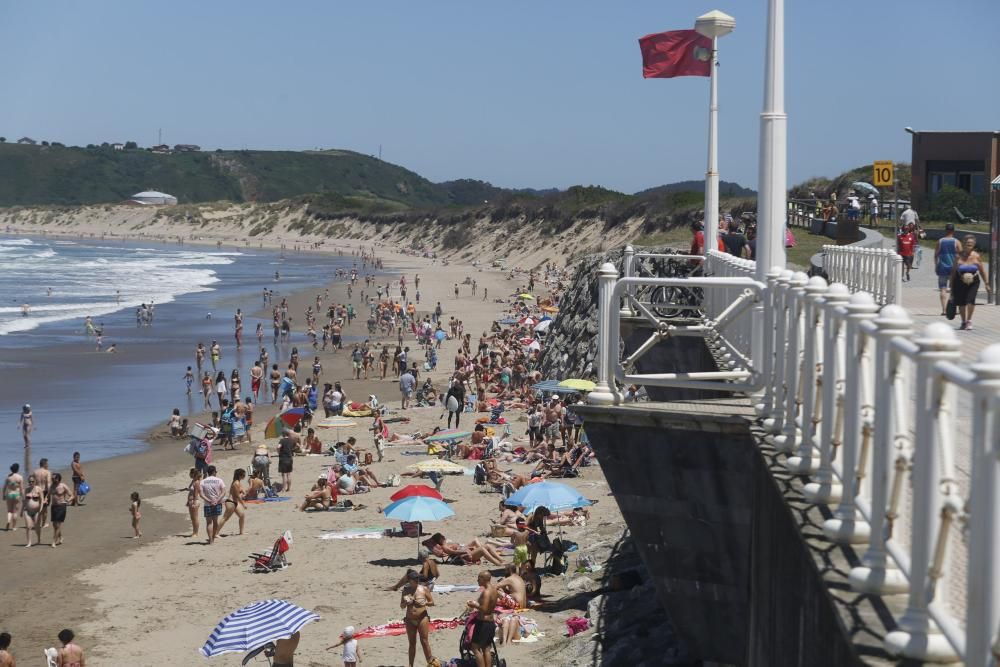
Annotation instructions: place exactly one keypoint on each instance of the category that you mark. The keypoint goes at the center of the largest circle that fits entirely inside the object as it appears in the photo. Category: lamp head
(910, 130)
(715, 24)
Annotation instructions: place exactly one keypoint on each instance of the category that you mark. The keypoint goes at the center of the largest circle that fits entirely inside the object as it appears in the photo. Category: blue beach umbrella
(447, 435)
(255, 625)
(418, 508)
(552, 495)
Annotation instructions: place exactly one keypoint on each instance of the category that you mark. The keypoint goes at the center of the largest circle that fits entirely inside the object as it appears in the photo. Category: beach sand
(154, 601)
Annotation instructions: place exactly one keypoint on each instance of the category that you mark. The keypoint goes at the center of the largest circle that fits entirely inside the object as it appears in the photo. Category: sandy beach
(154, 601)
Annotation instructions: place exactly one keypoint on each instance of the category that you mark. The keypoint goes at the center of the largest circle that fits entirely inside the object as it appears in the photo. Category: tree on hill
(131, 145)
(3, 140)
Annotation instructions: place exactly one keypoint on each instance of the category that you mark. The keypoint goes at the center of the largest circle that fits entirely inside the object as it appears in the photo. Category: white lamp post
(773, 176)
(714, 24)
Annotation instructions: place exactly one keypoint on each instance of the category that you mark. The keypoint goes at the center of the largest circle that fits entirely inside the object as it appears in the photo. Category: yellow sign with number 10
(883, 173)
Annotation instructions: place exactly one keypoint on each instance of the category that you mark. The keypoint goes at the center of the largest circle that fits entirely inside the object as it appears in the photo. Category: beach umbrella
(440, 334)
(418, 508)
(526, 297)
(336, 422)
(527, 321)
(553, 387)
(534, 345)
(414, 490)
(439, 465)
(286, 419)
(579, 385)
(553, 495)
(255, 625)
(446, 435)
(861, 186)
(543, 325)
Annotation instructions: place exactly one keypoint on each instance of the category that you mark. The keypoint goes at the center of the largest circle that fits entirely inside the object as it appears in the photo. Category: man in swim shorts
(485, 627)
(213, 491)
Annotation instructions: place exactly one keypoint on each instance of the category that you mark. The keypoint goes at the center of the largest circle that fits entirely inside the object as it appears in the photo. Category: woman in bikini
(255, 488)
(383, 361)
(13, 492)
(234, 386)
(32, 507)
(193, 503)
(70, 655)
(26, 422)
(415, 599)
(234, 503)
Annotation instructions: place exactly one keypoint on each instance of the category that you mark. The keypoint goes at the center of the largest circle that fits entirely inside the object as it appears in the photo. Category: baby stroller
(465, 646)
(275, 560)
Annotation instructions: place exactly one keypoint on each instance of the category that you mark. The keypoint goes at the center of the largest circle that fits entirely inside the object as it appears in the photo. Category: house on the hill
(27, 141)
(118, 147)
(187, 148)
(161, 148)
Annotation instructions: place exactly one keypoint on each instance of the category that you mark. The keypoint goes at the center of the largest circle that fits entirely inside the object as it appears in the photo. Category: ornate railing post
(824, 489)
(786, 440)
(983, 604)
(896, 273)
(918, 637)
(628, 270)
(812, 360)
(782, 298)
(846, 526)
(877, 574)
(605, 392)
(766, 343)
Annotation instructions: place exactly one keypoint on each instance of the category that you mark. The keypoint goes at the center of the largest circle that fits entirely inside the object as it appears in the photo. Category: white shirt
(853, 202)
(351, 650)
(874, 206)
(908, 216)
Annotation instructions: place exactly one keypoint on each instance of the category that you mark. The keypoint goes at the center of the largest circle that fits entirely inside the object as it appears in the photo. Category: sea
(99, 403)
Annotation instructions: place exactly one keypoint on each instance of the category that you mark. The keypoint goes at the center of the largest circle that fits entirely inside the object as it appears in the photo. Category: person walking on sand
(238, 328)
(133, 510)
(212, 490)
(216, 352)
(286, 450)
(406, 384)
(44, 479)
(32, 509)
(61, 496)
(13, 495)
(234, 503)
(485, 626)
(206, 390)
(70, 655)
(199, 356)
(352, 653)
(415, 599)
(194, 499)
(77, 478)
(26, 424)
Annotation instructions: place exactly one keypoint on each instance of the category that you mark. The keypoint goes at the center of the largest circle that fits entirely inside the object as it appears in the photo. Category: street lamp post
(773, 176)
(714, 25)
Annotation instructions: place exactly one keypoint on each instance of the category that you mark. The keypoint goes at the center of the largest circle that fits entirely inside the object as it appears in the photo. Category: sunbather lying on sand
(457, 554)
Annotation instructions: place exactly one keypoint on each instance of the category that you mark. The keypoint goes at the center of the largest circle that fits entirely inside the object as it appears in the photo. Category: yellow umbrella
(579, 385)
(525, 296)
(549, 309)
(439, 465)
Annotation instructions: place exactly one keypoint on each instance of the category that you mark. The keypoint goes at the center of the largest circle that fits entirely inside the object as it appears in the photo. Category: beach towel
(444, 589)
(397, 628)
(363, 411)
(354, 534)
(261, 501)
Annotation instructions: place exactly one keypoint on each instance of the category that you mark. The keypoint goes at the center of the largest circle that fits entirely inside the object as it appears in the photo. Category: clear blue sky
(522, 94)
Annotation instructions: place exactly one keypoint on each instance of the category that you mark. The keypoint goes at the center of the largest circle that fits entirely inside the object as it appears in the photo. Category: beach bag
(951, 309)
(84, 488)
(479, 474)
(410, 528)
(541, 541)
(393, 480)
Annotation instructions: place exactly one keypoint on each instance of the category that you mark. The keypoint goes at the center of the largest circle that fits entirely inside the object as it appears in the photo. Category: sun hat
(349, 632)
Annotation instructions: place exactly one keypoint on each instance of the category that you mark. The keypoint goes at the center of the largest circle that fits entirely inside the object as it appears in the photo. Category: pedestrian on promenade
(944, 260)
(965, 279)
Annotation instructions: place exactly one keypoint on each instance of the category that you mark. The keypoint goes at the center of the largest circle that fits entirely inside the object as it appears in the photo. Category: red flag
(675, 53)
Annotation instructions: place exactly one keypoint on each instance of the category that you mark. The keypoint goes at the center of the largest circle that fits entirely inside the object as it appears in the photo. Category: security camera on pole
(713, 25)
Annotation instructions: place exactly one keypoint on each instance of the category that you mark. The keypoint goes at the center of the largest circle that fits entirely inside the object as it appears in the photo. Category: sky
(521, 94)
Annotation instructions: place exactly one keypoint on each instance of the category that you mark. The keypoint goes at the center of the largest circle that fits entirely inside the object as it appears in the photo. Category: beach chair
(266, 651)
(261, 563)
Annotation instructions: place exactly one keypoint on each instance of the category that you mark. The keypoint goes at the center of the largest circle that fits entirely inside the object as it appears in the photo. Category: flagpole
(714, 25)
(712, 174)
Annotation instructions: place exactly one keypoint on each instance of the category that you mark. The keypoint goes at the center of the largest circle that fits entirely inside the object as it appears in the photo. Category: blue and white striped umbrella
(256, 624)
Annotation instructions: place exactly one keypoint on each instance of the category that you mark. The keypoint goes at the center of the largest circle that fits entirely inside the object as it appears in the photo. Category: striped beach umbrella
(255, 625)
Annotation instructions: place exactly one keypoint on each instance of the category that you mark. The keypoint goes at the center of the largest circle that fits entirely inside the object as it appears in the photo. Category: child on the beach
(136, 514)
(189, 379)
(352, 652)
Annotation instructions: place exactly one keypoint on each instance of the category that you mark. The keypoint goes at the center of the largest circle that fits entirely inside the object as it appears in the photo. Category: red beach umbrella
(416, 490)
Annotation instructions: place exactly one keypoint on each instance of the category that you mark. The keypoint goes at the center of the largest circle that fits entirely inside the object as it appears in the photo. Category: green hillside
(56, 175)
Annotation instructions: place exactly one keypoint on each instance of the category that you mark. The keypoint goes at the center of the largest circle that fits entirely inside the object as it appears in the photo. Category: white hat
(349, 632)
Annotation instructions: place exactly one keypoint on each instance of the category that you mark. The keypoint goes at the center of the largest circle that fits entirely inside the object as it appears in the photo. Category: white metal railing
(866, 410)
(877, 271)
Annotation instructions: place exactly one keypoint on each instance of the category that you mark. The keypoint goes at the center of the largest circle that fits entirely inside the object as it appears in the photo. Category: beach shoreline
(96, 534)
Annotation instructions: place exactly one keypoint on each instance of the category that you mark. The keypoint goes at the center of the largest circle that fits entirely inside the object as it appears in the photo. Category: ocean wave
(16, 242)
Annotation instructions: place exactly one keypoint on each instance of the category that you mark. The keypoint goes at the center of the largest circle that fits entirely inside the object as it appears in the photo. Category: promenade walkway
(920, 298)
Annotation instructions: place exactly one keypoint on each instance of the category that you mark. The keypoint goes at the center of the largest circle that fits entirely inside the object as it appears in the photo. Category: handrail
(877, 271)
(867, 410)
